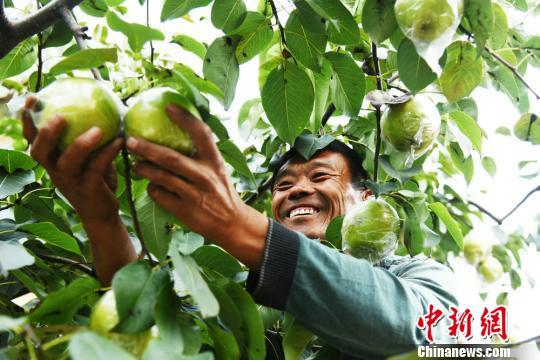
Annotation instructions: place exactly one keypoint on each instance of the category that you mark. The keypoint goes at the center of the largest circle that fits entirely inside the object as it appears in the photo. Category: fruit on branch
(83, 103)
(370, 230)
(426, 20)
(104, 318)
(148, 119)
(475, 248)
(412, 126)
(491, 269)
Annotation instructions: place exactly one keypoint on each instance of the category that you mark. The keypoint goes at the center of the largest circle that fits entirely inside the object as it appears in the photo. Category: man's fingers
(72, 159)
(102, 162)
(29, 129)
(200, 133)
(166, 199)
(164, 179)
(46, 141)
(166, 158)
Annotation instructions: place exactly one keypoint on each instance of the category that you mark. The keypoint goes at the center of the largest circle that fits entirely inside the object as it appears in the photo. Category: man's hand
(197, 190)
(87, 178)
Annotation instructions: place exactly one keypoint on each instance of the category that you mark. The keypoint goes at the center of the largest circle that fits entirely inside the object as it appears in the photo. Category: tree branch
(501, 219)
(78, 33)
(377, 114)
(65, 261)
(40, 56)
(281, 30)
(14, 32)
(327, 114)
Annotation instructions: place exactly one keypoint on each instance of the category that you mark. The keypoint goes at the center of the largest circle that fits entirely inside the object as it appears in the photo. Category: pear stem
(377, 113)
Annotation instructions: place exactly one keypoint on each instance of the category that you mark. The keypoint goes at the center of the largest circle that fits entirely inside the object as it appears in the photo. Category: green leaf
(199, 83)
(216, 259)
(378, 19)
(13, 256)
(189, 279)
(514, 89)
(137, 34)
(515, 279)
(155, 226)
(59, 36)
(296, 339)
(188, 242)
(90, 346)
(451, 225)
(307, 144)
(333, 231)
(412, 69)
(489, 165)
(464, 164)
(232, 155)
(240, 314)
(520, 4)
(96, 8)
(49, 233)
(347, 83)
(84, 60)
(402, 175)
(256, 31)
(480, 15)
(112, 3)
(60, 306)
(13, 183)
(306, 38)
(462, 72)
(342, 28)
(321, 87)
(527, 128)
(19, 59)
(135, 300)
(503, 130)
(468, 127)
(499, 32)
(287, 98)
(40, 208)
(173, 9)
(12, 160)
(225, 345)
(227, 15)
(190, 44)
(221, 67)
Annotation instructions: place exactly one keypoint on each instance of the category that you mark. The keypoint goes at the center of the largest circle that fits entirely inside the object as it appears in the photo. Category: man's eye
(320, 176)
(283, 185)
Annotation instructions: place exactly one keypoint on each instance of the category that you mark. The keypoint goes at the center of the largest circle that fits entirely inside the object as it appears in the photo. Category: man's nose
(303, 187)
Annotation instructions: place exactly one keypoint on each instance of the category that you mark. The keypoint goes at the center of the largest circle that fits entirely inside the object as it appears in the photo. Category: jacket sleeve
(360, 309)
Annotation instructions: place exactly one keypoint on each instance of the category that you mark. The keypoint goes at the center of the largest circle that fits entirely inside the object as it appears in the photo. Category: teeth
(302, 211)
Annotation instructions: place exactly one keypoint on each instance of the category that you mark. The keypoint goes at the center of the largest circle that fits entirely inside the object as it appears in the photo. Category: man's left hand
(197, 190)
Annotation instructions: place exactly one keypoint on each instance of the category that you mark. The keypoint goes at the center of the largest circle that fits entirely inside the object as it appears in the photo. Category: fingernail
(94, 133)
(132, 143)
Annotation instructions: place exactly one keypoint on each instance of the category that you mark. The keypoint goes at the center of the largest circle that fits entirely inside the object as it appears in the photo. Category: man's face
(307, 195)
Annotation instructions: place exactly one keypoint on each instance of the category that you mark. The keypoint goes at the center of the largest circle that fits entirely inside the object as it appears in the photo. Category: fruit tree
(399, 81)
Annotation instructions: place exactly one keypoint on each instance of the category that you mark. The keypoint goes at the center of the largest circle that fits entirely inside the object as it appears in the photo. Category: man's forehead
(324, 159)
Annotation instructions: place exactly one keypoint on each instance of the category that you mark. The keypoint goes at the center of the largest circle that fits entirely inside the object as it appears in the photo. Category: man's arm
(357, 308)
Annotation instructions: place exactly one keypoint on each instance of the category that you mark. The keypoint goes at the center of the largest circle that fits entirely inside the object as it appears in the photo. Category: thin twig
(40, 55)
(7, 206)
(280, 27)
(148, 26)
(132, 209)
(377, 114)
(78, 33)
(392, 78)
(65, 261)
(501, 220)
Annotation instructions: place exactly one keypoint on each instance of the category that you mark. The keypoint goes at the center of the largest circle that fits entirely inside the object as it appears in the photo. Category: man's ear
(366, 194)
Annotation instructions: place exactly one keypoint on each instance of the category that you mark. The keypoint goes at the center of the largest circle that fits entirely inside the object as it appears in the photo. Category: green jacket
(362, 310)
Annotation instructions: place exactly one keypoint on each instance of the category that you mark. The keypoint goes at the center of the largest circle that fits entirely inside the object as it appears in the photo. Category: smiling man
(362, 310)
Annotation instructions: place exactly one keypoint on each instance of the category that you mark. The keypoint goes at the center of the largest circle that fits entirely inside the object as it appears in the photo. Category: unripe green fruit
(83, 103)
(411, 126)
(104, 318)
(424, 20)
(148, 119)
(370, 230)
(475, 249)
(491, 269)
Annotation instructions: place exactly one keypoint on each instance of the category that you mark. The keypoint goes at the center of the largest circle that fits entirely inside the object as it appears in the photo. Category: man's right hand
(86, 177)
